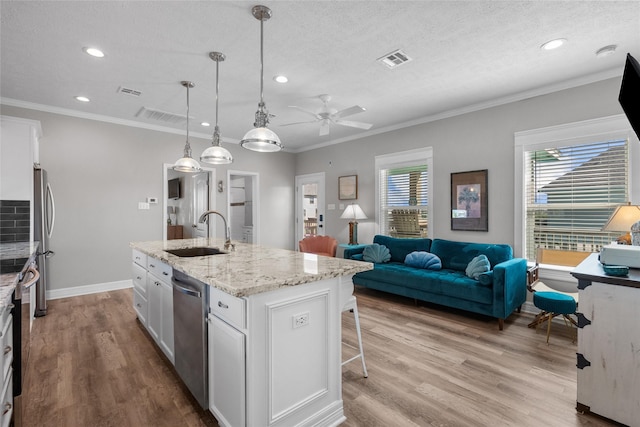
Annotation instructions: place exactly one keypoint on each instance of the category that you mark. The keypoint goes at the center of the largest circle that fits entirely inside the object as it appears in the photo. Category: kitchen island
(274, 330)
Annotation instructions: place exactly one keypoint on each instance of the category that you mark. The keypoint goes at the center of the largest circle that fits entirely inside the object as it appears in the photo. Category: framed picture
(348, 187)
(469, 201)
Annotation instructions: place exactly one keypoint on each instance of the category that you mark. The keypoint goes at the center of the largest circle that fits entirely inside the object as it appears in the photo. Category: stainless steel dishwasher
(190, 299)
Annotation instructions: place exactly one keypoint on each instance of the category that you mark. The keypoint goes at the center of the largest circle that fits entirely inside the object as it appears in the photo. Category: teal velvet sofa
(497, 293)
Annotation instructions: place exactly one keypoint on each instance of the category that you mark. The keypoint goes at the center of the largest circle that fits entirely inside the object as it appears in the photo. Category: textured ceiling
(466, 54)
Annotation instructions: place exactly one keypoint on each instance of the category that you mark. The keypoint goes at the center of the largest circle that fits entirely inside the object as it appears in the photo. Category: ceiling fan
(327, 115)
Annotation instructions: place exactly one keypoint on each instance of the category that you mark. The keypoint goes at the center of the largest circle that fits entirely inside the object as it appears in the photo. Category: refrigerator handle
(53, 210)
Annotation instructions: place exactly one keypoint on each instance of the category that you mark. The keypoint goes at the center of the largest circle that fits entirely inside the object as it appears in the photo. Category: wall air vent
(161, 116)
(128, 91)
(394, 59)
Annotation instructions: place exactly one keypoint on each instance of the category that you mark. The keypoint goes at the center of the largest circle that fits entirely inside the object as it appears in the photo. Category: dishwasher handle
(186, 291)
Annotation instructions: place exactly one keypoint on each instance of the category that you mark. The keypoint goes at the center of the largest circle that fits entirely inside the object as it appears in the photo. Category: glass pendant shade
(216, 154)
(261, 139)
(187, 163)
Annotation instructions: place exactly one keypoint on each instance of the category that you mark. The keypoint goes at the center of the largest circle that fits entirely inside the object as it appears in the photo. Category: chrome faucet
(227, 232)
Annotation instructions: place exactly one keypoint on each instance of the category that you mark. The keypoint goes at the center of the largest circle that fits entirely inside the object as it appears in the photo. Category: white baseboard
(88, 289)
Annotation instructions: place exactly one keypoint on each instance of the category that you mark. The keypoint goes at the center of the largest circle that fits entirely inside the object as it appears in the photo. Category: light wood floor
(92, 364)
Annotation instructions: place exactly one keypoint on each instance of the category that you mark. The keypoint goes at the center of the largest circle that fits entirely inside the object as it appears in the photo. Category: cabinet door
(226, 373)
(154, 308)
(166, 329)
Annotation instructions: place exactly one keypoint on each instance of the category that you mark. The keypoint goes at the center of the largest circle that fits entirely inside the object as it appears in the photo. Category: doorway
(194, 195)
(242, 206)
(309, 206)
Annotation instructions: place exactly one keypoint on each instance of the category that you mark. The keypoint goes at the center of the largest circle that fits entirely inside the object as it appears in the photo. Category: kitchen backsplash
(14, 220)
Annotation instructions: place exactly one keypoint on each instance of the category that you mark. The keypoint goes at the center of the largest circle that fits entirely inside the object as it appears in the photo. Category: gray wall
(100, 171)
(478, 140)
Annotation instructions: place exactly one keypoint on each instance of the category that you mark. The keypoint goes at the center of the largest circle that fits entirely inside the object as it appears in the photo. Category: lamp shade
(216, 155)
(187, 164)
(354, 212)
(623, 218)
(261, 139)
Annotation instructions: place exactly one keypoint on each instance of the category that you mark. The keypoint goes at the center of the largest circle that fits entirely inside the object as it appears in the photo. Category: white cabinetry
(153, 300)
(18, 151)
(6, 358)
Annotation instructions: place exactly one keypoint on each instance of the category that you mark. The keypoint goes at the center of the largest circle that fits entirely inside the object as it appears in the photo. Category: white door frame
(255, 184)
(310, 178)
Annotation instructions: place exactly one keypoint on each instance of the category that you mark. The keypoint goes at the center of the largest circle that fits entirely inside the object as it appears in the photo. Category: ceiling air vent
(128, 91)
(161, 116)
(394, 59)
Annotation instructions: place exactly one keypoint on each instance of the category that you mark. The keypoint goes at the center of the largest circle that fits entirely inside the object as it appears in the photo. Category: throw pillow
(421, 259)
(477, 266)
(376, 253)
(357, 257)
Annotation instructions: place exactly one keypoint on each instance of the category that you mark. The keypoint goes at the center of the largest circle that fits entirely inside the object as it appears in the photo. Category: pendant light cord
(261, 62)
(187, 146)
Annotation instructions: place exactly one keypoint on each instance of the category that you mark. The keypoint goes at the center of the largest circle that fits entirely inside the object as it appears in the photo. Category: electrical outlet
(301, 319)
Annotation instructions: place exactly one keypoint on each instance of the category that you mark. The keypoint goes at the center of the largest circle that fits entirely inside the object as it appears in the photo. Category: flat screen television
(629, 97)
(173, 188)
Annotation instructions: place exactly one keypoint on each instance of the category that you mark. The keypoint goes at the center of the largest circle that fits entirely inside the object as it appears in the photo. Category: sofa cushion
(477, 266)
(400, 248)
(457, 255)
(422, 259)
(376, 253)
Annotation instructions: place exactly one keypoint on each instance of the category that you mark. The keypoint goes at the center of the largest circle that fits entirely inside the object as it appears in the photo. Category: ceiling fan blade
(324, 128)
(348, 112)
(353, 124)
(311, 113)
(297, 123)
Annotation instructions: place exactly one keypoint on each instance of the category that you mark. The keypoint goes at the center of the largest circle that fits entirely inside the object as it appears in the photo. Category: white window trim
(588, 131)
(419, 156)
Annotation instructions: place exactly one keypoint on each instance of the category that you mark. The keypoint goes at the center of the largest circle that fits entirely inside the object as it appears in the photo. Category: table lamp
(622, 219)
(353, 212)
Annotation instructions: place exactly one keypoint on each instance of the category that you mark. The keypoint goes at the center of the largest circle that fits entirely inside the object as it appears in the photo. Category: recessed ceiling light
(553, 44)
(281, 79)
(205, 124)
(606, 51)
(82, 99)
(93, 52)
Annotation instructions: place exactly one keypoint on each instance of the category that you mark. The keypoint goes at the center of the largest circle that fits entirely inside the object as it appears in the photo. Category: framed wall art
(348, 187)
(469, 201)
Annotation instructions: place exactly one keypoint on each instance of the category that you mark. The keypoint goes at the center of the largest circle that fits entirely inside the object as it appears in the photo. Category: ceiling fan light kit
(216, 154)
(261, 138)
(187, 163)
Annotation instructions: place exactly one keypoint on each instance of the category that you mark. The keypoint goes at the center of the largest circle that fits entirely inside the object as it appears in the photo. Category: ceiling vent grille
(161, 116)
(395, 59)
(128, 91)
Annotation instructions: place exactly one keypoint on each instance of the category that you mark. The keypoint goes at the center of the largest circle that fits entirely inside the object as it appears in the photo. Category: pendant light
(187, 164)
(261, 138)
(216, 154)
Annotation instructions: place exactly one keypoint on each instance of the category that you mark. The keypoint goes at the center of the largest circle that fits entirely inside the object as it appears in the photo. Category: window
(403, 197)
(572, 177)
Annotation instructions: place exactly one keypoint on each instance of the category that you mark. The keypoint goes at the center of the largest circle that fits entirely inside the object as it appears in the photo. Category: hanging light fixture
(187, 164)
(216, 154)
(261, 138)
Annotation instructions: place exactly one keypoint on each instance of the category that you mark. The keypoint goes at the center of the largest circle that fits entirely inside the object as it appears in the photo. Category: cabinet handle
(152, 266)
(165, 273)
(139, 278)
(7, 349)
(222, 305)
(7, 408)
(139, 305)
(157, 283)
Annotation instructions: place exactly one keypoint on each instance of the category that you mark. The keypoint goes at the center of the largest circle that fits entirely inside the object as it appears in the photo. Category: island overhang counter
(274, 329)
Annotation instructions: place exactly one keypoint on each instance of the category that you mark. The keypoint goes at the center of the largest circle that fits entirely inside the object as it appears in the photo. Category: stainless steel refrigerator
(44, 217)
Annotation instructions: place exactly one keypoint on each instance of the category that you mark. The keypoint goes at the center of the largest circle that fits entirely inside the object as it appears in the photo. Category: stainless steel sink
(193, 252)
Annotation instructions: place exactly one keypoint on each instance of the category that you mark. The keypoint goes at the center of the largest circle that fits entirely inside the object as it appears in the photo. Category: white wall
(479, 140)
(100, 171)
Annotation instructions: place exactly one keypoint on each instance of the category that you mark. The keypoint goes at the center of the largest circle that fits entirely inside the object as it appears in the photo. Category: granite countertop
(11, 251)
(250, 269)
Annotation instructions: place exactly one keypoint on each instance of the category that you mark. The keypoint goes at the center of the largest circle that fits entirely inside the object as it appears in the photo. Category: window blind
(403, 201)
(571, 192)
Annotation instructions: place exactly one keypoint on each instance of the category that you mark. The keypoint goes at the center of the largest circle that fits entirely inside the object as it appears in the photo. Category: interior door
(310, 203)
(200, 199)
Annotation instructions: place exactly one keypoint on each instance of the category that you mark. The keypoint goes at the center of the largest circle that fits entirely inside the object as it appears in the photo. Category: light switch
(143, 205)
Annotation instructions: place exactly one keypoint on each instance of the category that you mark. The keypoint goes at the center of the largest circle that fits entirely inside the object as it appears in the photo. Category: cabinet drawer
(140, 306)
(139, 258)
(227, 307)
(159, 269)
(139, 275)
(6, 349)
